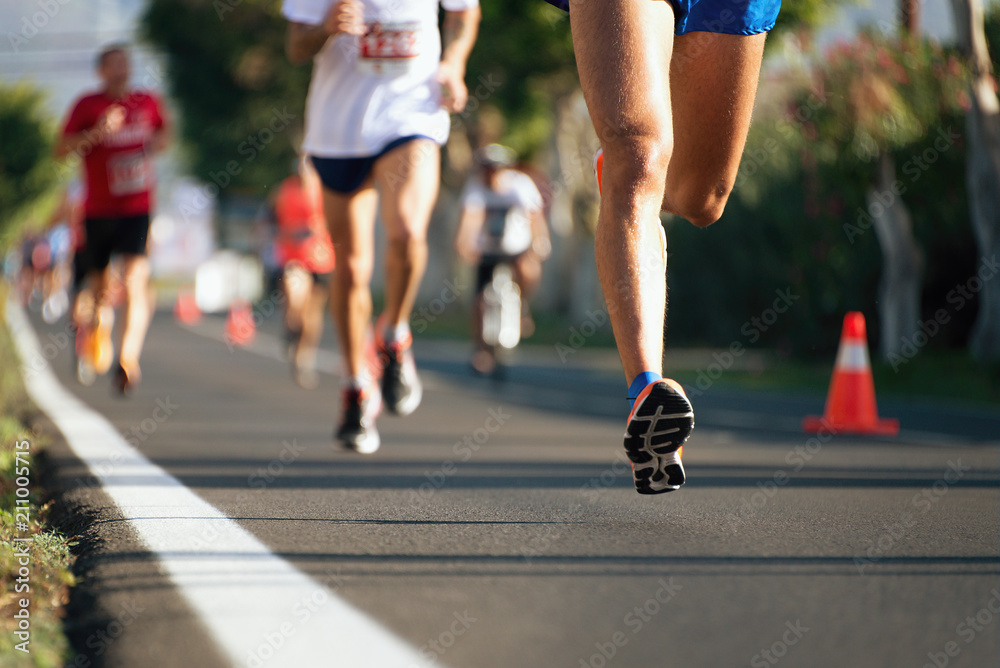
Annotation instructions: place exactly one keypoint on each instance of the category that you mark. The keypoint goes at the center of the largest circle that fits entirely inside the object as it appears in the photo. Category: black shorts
(115, 236)
(81, 266)
(345, 175)
(487, 265)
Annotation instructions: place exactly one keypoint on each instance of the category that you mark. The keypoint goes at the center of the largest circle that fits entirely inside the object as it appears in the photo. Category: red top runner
(118, 171)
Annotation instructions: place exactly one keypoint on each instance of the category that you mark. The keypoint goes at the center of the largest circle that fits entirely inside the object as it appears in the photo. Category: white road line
(260, 610)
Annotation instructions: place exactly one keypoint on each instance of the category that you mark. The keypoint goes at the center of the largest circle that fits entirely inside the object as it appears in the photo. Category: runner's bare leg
(623, 53)
(408, 178)
(137, 311)
(713, 84)
(351, 221)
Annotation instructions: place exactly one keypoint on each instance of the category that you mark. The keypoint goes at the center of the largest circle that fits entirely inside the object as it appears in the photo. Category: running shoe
(658, 425)
(401, 385)
(102, 350)
(126, 379)
(361, 407)
(85, 372)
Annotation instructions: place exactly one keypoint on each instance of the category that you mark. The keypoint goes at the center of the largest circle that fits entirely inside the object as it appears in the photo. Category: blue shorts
(730, 17)
(345, 175)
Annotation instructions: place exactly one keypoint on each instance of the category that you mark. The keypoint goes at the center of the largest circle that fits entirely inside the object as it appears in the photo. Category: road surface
(498, 525)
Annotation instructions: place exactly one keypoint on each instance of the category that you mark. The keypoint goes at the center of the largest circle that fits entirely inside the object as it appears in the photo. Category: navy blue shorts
(345, 175)
(730, 17)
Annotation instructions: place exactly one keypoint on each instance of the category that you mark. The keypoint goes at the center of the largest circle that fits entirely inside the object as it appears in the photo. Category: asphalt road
(498, 526)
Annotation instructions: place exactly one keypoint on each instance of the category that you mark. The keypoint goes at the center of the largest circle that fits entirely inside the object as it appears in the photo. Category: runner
(305, 253)
(382, 86)
(502, 221)
(670, 87)
(116, 131)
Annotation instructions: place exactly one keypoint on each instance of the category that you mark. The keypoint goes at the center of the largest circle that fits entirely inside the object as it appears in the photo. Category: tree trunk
(902, 263)
(982, 175)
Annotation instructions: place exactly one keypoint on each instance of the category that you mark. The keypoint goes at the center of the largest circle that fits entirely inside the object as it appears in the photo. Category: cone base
(814, 424)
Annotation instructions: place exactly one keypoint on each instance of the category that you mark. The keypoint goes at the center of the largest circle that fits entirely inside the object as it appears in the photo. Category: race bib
(389, 48)
(128, 174)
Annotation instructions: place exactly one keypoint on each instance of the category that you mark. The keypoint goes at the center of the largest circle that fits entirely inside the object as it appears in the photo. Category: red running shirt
(119, 172)
(302, 235)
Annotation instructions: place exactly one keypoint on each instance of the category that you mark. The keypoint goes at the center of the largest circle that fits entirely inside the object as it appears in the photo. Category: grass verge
(35, 570)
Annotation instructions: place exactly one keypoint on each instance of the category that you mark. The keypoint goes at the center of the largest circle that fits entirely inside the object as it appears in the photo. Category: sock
(398, 333)
(638, 383)
(357, 382)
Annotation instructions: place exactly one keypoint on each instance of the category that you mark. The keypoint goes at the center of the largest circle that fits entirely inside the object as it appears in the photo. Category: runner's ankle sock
(357, 382)
(638, 383)
(398, 333)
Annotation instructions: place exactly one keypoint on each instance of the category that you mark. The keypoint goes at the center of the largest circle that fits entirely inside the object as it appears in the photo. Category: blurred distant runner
(502, 222)
(116, 131)
(382, 86)
(670, 87)
(305, 254)
(64, 226)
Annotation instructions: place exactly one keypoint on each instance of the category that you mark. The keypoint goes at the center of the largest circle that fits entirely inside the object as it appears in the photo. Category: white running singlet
(369, 90)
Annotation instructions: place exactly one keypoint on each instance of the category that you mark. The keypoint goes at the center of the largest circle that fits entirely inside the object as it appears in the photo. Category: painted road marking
(259, 609)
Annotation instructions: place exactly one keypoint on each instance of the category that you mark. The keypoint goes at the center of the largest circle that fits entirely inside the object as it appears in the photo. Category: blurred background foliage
(26, 170)
(821, 120)
(228, 74)
(798, 218)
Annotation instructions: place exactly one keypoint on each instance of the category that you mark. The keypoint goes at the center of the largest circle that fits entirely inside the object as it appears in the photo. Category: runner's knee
(406, 236)
(701, 205)
(639, 161)
(354, 272)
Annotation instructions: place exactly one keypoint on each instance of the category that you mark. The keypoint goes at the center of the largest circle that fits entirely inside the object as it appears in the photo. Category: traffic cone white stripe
(853, 357)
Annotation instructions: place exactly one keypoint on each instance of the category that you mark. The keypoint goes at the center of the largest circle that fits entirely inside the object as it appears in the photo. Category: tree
(982, 172)
(241, 101)
(26, 173)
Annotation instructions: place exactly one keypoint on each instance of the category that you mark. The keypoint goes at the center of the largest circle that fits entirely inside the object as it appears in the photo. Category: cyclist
(502, 222)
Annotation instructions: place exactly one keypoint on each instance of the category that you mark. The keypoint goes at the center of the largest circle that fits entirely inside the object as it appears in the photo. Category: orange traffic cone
(850, 405)
(240, 327)
(186, 308)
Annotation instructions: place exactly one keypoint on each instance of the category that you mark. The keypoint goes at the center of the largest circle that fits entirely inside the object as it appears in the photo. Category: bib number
(128, 174)
(389, 48)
